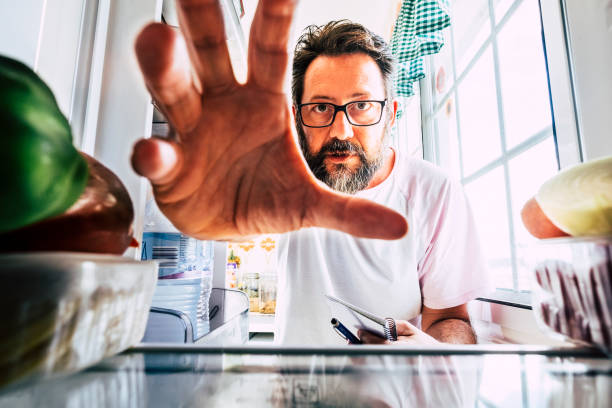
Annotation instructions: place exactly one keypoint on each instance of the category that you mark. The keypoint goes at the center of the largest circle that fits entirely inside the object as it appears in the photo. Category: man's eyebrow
(329, 98)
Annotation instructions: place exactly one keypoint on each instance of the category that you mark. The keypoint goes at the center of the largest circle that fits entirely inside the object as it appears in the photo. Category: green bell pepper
(42, 172)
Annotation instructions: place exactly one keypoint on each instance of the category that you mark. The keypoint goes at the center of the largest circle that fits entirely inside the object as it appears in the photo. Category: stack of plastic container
(207, 256)
(572, 293)
(185, 268)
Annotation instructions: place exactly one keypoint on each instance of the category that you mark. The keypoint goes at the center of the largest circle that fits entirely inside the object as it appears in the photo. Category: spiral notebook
(355, 318)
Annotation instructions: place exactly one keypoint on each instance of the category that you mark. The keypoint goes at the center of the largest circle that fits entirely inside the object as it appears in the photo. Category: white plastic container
(64, 311)
(573, 288)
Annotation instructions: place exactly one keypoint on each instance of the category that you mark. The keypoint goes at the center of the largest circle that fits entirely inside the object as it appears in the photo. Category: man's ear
(395, 105)
(293, 110)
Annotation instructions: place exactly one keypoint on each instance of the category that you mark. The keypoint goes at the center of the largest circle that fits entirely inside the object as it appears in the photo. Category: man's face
(344, 156)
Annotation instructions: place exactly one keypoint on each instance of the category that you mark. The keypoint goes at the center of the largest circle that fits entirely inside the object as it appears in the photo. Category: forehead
(343, 77)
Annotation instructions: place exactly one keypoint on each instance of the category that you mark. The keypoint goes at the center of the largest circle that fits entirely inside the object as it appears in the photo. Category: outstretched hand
(232, 166)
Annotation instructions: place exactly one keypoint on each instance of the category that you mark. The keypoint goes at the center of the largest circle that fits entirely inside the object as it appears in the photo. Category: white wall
(20, 29)
(126, 113)
(377, 15)
(58, 48)
(590, 38)
(45, 36)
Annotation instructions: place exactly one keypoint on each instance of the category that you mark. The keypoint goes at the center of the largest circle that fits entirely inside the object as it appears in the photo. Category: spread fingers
(163, 59)
(268, 55)
(202, 23)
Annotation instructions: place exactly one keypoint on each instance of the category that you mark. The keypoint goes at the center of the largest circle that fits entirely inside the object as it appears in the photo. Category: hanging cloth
(417, 32)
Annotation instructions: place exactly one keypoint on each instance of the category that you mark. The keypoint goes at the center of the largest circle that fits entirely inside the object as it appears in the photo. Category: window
(408, 125)
(488, 121)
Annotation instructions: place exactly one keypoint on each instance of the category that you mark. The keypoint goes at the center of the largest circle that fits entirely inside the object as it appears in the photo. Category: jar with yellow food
(267, 294)
(252, 290)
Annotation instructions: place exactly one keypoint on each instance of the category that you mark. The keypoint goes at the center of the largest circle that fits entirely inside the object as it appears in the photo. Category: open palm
(232, 166)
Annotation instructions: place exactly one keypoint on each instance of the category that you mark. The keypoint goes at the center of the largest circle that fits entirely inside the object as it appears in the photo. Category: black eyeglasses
(358, 113)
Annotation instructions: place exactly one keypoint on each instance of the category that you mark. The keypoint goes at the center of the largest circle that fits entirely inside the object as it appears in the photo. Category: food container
(267, 294)
(63, 311)
(573, 288)
(252, 290)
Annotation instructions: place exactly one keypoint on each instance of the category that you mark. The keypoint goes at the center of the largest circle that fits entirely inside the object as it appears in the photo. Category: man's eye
(363, 105)
(320, 108)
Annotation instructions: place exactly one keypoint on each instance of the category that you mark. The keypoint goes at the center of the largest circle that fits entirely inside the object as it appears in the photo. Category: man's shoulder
(423, 169)
(420, 177)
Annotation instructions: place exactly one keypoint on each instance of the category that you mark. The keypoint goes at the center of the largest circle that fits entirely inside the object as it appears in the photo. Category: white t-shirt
(438, 263)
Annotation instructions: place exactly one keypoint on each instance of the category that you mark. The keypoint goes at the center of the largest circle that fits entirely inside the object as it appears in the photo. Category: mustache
(341, 146)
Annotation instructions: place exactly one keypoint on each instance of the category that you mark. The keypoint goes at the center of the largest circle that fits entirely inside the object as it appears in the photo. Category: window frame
(564, 114)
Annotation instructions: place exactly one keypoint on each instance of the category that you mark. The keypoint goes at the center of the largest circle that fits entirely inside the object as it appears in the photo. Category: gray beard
(342, 178)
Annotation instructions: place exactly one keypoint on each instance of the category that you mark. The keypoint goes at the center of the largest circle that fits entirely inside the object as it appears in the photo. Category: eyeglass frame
(340, 108)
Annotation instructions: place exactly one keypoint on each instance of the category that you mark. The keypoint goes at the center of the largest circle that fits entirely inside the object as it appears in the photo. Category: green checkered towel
(417, 32)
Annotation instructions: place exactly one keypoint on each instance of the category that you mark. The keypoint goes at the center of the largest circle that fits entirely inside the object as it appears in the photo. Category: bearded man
(344, 111)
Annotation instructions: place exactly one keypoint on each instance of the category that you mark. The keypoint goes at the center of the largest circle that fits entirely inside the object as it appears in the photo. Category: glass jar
(251, 282)
(267, 294)
(240, 280)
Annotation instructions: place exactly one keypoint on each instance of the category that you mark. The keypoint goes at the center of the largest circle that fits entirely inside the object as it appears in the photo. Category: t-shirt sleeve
(452, 269)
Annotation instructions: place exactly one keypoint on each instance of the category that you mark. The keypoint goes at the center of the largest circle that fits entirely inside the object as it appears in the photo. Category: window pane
(442, 76)
(471, 26)
(527, 173)
(408, 138)
(501, 7)
(446, 143)
(478, 115)
(524, 84)
(487, 195)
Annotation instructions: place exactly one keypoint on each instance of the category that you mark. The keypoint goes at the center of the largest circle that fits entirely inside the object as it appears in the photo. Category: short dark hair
(338, 38)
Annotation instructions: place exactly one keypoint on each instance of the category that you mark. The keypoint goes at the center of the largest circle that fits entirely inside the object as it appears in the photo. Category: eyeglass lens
(359, 113)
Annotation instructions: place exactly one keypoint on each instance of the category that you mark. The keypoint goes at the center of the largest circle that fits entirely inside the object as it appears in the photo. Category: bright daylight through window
(491, 124)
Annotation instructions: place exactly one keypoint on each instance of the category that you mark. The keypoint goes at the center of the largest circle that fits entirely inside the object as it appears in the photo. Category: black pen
(344, 332)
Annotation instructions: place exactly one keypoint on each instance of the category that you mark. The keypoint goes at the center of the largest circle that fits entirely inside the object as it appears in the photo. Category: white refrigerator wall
(21, 29)
(45, 36)
(590, 43)
(125, 111)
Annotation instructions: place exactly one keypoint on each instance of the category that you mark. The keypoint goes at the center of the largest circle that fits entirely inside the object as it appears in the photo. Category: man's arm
(438, 325)
(451, 325)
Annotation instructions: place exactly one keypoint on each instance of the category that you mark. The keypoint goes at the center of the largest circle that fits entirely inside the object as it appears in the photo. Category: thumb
(157, 159)
(356, 216)
(405, 328)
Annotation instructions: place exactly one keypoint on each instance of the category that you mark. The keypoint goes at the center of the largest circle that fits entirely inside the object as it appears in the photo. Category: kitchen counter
(156, 375)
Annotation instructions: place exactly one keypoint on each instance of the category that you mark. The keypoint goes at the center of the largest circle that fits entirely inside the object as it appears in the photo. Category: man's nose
(341, 129)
